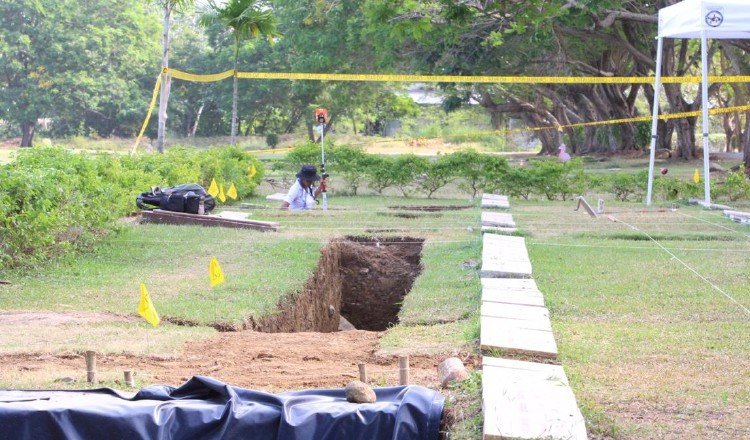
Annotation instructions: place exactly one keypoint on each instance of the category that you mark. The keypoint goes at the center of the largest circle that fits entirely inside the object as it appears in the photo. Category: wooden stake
(91, 366)
(129, 378)
(362, 372)
(403, 370)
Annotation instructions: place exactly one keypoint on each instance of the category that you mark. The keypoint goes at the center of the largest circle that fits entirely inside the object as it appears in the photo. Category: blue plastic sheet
(204, 408)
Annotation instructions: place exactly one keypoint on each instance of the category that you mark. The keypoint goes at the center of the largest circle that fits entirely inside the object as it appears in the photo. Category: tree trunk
(354, 126)
(165, 82)
(310, 131)
(197, 119)
(27, 133)
(746, 146)
(496, 120)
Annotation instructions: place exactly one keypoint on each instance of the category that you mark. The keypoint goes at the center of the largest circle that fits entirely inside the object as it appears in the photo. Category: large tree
(246, 19)
(73, 62)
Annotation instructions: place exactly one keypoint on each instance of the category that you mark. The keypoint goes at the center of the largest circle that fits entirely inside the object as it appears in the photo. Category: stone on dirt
(450, 370)
(345, 325)
(359, 392)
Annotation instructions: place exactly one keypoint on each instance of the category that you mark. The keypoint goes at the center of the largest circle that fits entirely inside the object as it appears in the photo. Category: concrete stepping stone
(498, 219)
(516, 336)
(494, 196)
(515, 311)
(521, 291)
(511, 284)
(498, 230)
(504, 257)
(495, 203)
(512, 297)
(528, 400)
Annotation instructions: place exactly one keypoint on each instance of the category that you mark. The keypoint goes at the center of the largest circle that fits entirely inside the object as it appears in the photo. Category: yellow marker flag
(222, 197)
(696, 176)
(214, 188)
(232, 192)
(215, 275)
(251, 172)
(146, 308)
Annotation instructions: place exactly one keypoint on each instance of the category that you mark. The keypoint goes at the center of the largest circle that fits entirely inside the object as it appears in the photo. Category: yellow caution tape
(157, 86)
(178, 74)
(714, 111)
(212, 77)
(451, 78)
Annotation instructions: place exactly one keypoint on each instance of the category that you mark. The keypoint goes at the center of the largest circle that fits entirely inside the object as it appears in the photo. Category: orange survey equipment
(321, 115)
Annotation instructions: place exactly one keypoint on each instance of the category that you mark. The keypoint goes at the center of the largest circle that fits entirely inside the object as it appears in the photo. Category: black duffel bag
(180, 198)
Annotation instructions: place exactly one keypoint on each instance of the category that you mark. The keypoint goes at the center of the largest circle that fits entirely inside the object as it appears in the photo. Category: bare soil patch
(282, 361)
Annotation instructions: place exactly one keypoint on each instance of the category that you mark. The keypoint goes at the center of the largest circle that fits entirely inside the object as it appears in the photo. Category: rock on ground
(360, 392)
(452, 369)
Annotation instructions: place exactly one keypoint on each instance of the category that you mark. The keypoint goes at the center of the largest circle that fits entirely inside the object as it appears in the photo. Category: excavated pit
(363, 279)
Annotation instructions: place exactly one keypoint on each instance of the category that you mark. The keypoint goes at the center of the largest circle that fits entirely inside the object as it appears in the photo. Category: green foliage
(438, 174)
(406, 170)
(554, 178)
(305, 154)
(87, 64)
(352, 164)
(380, 174)
(53, 200)
(672, 188)
(625, 185)
(737, 186)
(478, 171)
(272, 140)
(518, 182)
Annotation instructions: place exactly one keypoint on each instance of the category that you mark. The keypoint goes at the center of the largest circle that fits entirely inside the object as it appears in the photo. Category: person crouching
(303, 193)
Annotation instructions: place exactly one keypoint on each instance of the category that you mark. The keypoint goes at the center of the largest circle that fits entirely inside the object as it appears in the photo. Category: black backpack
(180, 198)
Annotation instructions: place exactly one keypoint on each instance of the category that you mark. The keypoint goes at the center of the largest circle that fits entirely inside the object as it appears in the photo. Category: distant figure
(563, 155)
(302, 195)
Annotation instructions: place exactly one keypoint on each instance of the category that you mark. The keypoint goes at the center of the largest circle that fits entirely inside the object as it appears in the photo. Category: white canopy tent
(704, 19)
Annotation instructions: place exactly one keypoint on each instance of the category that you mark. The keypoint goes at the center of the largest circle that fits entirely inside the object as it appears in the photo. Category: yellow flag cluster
(215, 275)
(217, 191)
(696, 176)
(146, 308)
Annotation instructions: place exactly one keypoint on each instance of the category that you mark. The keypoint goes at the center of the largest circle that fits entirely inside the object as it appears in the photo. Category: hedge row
(53, 200)
(474, 172)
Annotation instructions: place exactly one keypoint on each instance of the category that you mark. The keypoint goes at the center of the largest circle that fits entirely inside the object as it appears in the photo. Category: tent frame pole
(705, 125)
(654, 120)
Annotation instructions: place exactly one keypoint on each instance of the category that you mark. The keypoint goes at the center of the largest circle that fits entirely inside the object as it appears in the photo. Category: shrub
(671, 188)
(624, 185)
(408, 171)
(53, 200)
(272, 140)
(380, 173)
(737, 186)
(518, 182)
(478, 171)
(553, 178)
(438, 174)
(352, 164)
(306, 154)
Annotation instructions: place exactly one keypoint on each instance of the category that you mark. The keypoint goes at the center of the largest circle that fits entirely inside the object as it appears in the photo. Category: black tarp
(205, 408)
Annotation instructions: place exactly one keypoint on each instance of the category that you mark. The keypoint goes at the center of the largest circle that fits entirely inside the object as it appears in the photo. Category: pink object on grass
(563, 156)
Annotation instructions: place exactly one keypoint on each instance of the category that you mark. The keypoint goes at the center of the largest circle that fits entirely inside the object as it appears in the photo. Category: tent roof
(721, 19)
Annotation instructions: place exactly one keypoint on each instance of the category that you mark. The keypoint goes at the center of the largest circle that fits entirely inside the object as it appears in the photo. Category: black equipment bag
(180, 198)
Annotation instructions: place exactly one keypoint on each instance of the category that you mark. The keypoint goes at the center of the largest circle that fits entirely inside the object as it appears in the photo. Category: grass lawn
(652, 351)
(259, 268)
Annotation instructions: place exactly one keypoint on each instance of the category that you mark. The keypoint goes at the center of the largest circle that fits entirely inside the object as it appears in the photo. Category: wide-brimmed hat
(308, 172)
